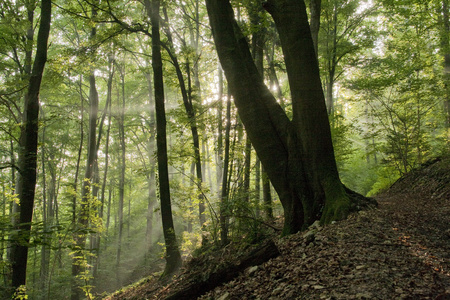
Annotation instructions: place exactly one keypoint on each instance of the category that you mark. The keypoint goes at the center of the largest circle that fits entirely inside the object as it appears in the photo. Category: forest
(136, 134)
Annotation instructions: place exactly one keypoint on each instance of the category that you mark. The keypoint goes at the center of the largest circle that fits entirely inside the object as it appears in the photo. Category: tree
(190, 111)
(83, 217)
(404, 89)
(29, 147)
(173, 257)
(297, 155)
(445, 44)
(344, 35)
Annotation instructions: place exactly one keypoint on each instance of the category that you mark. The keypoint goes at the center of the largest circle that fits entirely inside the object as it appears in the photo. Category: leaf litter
(399, 250)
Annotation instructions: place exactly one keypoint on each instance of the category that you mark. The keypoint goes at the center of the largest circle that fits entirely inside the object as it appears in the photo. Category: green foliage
(386, 176)
(388, 118)
(20, 293)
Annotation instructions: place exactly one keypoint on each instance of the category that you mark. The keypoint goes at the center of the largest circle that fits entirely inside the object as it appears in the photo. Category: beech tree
(173, 256)
(297, 154)
(394, 92)
(28, 153)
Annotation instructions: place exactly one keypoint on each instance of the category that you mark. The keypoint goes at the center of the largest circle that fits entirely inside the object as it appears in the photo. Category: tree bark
(173, 257)
(224, 190)
(267, 197)
(187, 97)
(309, 112)
(28, 154)
(445, 40)
(151, 175)
(266, 123)
(82, 222)
(298, 156)
(227, 273)
(121, 125)
(315, 8)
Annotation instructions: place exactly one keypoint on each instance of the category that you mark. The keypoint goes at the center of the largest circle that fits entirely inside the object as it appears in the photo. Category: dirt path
(400, 250)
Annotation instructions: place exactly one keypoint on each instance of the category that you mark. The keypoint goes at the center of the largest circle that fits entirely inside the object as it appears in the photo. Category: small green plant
(20, 293)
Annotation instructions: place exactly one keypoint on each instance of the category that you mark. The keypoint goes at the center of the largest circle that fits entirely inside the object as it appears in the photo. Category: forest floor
(399, 250)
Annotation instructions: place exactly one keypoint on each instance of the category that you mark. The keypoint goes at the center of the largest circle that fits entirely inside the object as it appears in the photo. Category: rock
(364, 296)
(225, 296)
(318, 287)
(316, 225)
(252, 270)
(309, 237)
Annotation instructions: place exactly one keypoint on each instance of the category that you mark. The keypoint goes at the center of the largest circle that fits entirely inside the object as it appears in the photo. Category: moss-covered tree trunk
(297, 155)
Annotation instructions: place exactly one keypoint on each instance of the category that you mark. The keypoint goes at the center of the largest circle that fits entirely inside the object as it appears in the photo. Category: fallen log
(225, 274)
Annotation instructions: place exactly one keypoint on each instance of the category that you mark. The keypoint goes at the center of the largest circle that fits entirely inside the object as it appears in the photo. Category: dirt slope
(400, 250)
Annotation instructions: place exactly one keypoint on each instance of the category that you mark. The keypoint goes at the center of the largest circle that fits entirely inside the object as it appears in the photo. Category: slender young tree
(224, 215)
(445, 43)
(186, 94)
(173, 256)
(122, 160)
(82, 222)
(28, 153)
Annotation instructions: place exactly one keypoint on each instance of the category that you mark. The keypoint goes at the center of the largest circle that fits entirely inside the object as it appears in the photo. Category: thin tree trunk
(106, 166)
(445, 41)
(219, 154)
(82, 223)
(173, 256)
(151, 176)
(247, 171)
(315, 8)
(188, 104)
(331, 66)
(122, 171)
(258, 45)
(267, 197)
(224, 215)
(45, 249)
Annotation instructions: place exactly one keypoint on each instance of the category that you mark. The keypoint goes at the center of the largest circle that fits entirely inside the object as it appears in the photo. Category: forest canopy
(115, 71)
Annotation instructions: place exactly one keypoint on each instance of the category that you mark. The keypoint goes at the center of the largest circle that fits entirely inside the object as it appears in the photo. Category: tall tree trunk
(48, 202)
(151, 176)
(224, 215)
(309, 113)
(107, 112)
(315, 8)
(267, 196)
(258, 45)
(247, 169)
(173, 256)
(445, 40)
(219, 154)
(331, 65)
(122, 171)
(82, 222)
(83, 216)
(28, 153)
(187, 97)
(298, 156)
(45, 249)
(260, 113)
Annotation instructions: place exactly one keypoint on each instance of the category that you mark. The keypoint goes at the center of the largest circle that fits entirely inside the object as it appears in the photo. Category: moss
(337, 204)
